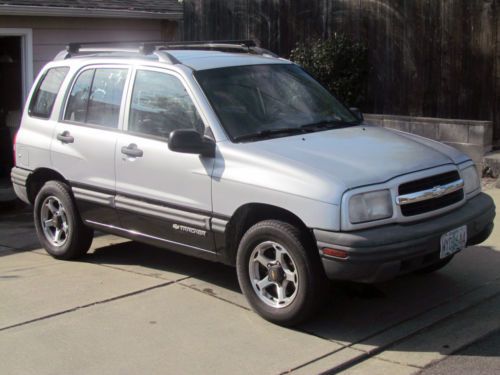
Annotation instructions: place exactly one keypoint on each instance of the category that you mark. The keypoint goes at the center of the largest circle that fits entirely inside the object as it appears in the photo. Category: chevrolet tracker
(226, 152)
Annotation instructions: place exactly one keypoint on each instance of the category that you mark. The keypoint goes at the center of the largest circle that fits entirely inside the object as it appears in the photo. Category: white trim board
(26, 56)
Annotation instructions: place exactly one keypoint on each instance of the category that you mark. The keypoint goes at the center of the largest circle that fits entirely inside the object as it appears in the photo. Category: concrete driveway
(129, 308)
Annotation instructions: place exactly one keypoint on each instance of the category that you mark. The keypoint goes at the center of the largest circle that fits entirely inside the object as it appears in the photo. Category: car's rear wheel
(58, 224)
(279, 272)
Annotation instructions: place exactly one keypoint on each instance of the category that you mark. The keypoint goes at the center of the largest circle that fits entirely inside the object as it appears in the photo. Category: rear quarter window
(46, 92)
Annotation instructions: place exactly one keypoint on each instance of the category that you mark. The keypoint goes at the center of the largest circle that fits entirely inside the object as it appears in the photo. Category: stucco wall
(51, 34)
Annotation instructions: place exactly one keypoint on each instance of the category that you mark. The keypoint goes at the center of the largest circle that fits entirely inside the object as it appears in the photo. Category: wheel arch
(250, 214)
(38, 178)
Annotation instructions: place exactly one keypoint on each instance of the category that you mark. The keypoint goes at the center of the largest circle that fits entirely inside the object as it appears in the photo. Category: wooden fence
(435, 58)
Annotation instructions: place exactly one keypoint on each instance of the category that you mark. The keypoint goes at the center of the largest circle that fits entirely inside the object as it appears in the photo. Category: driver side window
(161, 104)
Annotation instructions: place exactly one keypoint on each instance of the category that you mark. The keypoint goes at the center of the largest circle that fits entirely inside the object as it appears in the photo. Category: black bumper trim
(377, 254)
(19, 176)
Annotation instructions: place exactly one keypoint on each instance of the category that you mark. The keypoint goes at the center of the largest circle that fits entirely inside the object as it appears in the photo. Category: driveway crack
(92, 304)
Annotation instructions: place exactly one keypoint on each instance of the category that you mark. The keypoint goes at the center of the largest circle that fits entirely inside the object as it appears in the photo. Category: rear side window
(96, 97)
(45, 95)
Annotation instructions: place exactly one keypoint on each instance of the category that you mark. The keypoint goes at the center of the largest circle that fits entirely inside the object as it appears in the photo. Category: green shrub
(339, 63)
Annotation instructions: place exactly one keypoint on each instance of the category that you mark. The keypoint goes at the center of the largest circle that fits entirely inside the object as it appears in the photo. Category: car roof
(194, 59)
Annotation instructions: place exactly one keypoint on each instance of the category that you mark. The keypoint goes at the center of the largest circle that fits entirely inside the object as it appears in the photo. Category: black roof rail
(209, 43)
(243, 45)
(160, 48)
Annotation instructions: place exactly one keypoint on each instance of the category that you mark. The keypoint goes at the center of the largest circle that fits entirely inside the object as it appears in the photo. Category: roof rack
(159, 48)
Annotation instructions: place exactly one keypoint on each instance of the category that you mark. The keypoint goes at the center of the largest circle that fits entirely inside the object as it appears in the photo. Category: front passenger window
(161, 104)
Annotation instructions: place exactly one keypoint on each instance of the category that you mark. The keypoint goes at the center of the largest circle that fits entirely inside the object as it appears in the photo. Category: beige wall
(51, 34)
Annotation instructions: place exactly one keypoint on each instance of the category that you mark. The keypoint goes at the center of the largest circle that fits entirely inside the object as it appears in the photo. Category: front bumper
(382, 253)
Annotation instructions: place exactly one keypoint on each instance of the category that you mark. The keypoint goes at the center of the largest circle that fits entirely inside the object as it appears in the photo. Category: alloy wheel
(54, 221)
(273, 274)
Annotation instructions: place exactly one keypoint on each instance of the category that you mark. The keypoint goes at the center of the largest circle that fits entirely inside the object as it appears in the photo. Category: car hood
(323, 165)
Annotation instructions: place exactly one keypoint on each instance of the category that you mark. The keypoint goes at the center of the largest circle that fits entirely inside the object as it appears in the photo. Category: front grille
(429, 205)
(418, 208)
(428, 182)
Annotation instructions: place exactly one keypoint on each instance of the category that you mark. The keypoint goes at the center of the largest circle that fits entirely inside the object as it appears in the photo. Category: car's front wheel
(279, 272)
(58, 224)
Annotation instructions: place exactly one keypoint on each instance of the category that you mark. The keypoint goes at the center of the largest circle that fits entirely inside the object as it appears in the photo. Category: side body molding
(173, 227)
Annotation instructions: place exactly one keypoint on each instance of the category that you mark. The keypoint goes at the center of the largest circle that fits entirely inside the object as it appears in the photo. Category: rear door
(163, 196)
(83, 147)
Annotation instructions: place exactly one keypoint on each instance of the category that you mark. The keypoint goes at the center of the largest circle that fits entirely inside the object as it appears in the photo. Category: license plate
(453, 241)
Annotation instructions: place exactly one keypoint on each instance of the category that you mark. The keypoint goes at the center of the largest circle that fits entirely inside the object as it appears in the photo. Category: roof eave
(44, 11)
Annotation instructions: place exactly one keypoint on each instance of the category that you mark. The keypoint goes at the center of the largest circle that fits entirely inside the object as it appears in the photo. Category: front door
(163, 196)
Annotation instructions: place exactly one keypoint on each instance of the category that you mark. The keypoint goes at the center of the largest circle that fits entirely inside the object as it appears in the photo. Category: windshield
(260, 101)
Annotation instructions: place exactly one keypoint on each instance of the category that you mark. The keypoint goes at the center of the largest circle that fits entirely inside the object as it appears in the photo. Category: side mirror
(357, 113)
(189, 141)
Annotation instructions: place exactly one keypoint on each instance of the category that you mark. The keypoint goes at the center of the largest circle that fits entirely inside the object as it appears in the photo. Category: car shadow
(353, 313)
(379, 315)
(153, 261)
(17, 229)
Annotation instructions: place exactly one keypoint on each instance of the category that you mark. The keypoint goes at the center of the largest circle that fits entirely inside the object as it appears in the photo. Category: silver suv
(226, 152)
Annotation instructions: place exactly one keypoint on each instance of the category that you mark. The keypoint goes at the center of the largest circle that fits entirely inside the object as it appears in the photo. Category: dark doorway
(11, 98)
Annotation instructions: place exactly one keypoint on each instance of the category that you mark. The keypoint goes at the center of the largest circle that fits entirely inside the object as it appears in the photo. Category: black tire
(311, 281)
(79, 237)
(434, 267)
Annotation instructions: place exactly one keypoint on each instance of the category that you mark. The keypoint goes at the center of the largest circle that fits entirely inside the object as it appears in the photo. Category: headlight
(471, 179)
(370, 206)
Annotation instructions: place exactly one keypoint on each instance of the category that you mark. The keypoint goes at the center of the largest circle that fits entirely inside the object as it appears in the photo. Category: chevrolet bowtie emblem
(437, 190)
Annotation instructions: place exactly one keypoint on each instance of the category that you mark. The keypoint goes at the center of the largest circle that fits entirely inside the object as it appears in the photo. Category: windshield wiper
(269, 132)
(295, 130)
(322, 125)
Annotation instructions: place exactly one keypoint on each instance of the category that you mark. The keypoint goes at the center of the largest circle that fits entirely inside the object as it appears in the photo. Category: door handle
(65, 137)
(132, 150)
